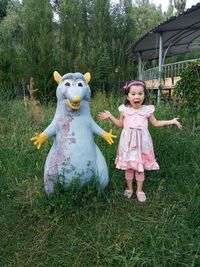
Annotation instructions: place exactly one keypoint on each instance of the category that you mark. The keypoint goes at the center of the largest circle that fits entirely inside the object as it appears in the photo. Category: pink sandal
(141, 197)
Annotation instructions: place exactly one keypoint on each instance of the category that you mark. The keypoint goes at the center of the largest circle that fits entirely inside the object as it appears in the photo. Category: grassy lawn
(91, 228)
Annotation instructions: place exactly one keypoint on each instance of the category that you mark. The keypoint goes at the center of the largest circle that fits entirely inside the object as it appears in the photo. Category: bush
(187, 89)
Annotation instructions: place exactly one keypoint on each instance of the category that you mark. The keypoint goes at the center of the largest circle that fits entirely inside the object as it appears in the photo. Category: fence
(170, 76)
(168, 70)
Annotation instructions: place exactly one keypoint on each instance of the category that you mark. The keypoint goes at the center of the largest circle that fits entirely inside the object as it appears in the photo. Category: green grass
(91, 228)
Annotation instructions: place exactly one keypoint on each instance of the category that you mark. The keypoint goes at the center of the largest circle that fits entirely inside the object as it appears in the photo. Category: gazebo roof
(178, 34)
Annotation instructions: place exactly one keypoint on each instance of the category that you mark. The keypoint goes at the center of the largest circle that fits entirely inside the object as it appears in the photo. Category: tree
(71, 35)
(10, 47)
(147, 16)
(170, 9)
(99, 33)
(103, 71)
(3, 7)
(87, 35)
(38, 42)
(180, 5)
(123, 32)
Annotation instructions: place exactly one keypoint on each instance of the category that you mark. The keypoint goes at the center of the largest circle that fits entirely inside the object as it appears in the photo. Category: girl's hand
(177, 123)
(104, 115)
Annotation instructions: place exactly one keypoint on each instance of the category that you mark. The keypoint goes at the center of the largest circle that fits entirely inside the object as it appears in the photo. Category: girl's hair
(127, 87)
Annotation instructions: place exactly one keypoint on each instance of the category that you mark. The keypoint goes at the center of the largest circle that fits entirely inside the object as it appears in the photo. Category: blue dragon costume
(74, 154)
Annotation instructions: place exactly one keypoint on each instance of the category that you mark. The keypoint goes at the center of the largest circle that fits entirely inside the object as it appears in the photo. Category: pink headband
(129, 84)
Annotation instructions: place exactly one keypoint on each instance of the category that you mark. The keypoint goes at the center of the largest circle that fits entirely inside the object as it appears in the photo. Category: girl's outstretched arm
(106, 115)
(157, 123)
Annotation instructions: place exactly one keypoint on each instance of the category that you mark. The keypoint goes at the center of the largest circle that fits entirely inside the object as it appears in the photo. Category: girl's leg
(140, 180)
(129, 181)
(139, 176)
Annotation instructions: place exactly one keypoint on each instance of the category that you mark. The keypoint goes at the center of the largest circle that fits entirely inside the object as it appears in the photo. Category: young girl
(135, 151)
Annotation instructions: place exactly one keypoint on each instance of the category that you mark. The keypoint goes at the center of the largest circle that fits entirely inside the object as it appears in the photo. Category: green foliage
(188, 90)
(170, 9)
(85, 227)
(147, 16)
(72, 31)
(179, 5)
(103, 70)
(11, 62)
(38, 45)
(38, 37)
(123, 32)
(3, 7)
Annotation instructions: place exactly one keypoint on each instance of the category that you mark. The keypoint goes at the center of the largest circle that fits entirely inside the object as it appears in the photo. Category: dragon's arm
(41, 138)
(108, 136)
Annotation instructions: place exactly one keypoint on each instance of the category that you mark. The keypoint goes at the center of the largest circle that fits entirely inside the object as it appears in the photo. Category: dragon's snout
(75, 103)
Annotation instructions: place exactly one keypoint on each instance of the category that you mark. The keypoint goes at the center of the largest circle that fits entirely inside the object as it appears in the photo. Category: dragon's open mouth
(74, 105)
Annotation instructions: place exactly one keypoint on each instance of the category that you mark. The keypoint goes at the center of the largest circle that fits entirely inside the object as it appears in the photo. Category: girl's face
(136, 96)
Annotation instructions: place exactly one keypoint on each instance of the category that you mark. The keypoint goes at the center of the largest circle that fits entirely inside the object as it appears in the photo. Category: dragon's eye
(67, 83)
(80, 83)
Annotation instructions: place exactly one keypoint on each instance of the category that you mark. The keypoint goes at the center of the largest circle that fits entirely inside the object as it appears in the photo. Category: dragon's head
(73, 88)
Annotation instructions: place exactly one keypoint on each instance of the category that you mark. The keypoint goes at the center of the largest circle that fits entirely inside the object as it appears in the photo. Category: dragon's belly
(73, 155)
